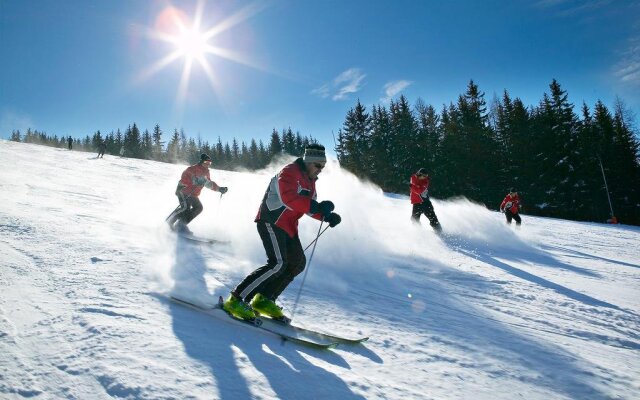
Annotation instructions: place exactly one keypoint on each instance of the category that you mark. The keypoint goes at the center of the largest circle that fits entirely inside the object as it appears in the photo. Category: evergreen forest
(562, 161)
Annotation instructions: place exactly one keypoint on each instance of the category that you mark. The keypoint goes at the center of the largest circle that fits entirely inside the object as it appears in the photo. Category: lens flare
(193, 44)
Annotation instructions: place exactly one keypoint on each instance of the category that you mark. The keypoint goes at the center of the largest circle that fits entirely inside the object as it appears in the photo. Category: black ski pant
(189, 208)
(285, 260)
(425, 208)
(511, 216)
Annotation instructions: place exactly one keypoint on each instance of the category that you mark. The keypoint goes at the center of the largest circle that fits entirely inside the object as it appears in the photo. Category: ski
(285, 332)
(203, 240)
(339, 339)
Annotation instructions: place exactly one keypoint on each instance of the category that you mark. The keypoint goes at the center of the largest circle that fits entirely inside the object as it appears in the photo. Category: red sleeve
(213, 186)
(187, 177)
(288, 182)
(414, 185)
(503, 203)
(418, 186)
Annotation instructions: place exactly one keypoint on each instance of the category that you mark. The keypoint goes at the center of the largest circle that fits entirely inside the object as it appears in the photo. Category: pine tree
(379, 155)
(289, 142)
(132, 142)
(96, 140)
(556, 127)
(404, 135)
(625, 166)
(235, 154)
(173, 148)
(353, 140)
(275, 146)
(158, 144)
(254, 156)
(146, 148)
(428, 135)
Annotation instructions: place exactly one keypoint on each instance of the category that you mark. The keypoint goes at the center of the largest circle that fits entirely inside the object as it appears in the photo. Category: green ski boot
(265, 306)
(238, 308)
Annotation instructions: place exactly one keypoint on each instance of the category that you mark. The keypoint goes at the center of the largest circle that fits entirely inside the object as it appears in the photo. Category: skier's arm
(211, 184)
(503, 203)
(292, 194)
(413, 185)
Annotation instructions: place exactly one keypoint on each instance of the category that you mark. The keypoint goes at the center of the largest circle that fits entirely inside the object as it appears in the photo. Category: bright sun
(191, 43)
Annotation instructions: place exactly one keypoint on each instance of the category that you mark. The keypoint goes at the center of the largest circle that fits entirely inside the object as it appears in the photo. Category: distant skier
(511, 206)
(70, 143)
(191, 183)
(121, 151)
(419, 185)
(290, 194)
(102, 147)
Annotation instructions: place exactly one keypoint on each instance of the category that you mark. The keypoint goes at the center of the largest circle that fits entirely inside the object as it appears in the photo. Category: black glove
(333, 219)
(323, 208)
(223, 189)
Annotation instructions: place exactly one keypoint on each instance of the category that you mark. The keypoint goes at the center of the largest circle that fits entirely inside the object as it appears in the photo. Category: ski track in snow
(484, 311)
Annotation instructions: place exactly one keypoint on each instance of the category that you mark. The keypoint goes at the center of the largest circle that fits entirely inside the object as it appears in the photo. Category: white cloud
(323, 91)
(393, 88)
(627, 69)
(349, 81)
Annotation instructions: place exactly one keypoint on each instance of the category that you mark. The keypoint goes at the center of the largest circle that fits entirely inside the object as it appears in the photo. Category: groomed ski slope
(549, 311)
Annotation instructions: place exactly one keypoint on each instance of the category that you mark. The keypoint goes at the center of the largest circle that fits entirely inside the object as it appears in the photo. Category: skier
(290, 194)
(121, 151)
(101, 149)
(191, 183)
(511, 206)
(70, 143)
(419, 185)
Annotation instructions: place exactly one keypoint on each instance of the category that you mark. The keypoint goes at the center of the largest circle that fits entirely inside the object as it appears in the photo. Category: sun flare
(194, 45)
(191, 44)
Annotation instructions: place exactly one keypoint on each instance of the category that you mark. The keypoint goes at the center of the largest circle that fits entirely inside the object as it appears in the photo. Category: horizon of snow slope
(484, 311)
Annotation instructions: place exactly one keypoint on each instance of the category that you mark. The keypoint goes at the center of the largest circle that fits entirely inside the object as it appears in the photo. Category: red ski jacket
(419, 188)
(194, 179)
(511, 203)
(288, 198)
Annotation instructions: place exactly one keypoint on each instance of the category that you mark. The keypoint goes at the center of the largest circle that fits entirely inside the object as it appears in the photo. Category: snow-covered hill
(549, 311)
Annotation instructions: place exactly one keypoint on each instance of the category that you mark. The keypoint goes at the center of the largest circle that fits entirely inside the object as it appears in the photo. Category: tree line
(180, 148)
(556, 159)
(553, 157)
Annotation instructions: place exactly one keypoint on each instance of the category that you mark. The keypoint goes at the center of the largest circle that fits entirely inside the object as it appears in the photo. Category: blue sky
(74, 67)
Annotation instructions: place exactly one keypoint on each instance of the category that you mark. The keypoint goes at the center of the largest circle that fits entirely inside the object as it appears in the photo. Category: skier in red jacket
(290, 195)
(511, 206)
(420, 182)
(191, 183)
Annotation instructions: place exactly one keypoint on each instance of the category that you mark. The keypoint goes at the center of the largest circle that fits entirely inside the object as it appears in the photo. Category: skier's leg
(295, 264)
(430, 214)
(182, 207)
(517, 218)
(195, 208)
(260, 280)
(509, 216)
(416, 212)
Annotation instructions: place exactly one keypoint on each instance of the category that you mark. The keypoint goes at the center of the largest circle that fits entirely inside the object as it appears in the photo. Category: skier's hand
(333, 219)
(223, 189)
(323, 208)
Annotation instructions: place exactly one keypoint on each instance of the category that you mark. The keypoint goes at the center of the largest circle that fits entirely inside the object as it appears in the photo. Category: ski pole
(304, 277)
(219, 206)
(314, 240)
